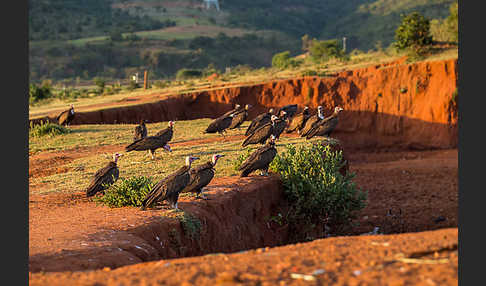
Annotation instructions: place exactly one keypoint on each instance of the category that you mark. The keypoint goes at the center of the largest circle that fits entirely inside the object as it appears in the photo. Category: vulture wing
(165, 134)
(238, 119)
(325, 127)
(259, 159)
(200, 177)
(147, 143)
(279, 127)
(106, 175)
(260, 135)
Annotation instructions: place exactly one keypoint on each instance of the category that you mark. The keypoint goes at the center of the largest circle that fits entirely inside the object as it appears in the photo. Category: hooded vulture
(326, 126)
(258, 121)
(313, 119)
(65, 117)
(234, 110)
(290, 111)
(151, 143)
(239, 117)
(103, 177)
(201, 176)
(168, 132)
(260, 135)
(140, 131)
(298, 121)
(260, 159)
(220, 124)
(170, 187)
(279, 125)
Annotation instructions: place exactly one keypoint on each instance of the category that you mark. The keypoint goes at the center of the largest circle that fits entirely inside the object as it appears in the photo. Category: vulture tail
(245, 173)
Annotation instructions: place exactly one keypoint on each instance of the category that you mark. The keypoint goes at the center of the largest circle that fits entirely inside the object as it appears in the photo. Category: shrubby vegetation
(413, 32)
(283, 60)
(317, 192)
(126, 192)
(46, 128)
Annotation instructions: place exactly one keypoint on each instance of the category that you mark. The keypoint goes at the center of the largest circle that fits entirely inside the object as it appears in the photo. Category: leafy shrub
(453, 22)
(317, 192)
(100, 83)
(132, 85)
(46, 128)
(283, 60)
(324, 50)
(126, 192)
(413, 32)
(241, 158)
(37, 93)
(188, 73)
(191, 225)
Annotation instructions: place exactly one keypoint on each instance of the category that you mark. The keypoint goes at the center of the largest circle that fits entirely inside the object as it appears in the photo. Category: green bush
(283, 60)
(317, 192)
(413, 32)
(191, 225)
(126, 192)
(241, 158)
(324, 50)
(188, 73)
(453, 22)
(37, 93)
(46, 128)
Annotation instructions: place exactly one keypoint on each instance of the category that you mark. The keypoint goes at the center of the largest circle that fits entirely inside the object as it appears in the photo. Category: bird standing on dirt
(168, 132)
(260, 159)
(201, 176)
(314, 119)
(259, 121)
(326, 126)
(104, 176)
(66, 117)
(220, 125)
(140, 131)
(239, 117)
(151, 143)
(170, 187)
(260, 135)
(298, 121)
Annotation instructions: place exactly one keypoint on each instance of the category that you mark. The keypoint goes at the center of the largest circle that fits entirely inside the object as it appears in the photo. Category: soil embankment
(385, 105)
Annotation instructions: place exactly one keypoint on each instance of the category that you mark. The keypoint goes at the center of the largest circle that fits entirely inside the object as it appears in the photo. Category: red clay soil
(426, 258)
(384, 105)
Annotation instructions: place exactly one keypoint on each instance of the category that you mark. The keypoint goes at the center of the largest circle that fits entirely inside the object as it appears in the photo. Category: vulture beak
(167, 147)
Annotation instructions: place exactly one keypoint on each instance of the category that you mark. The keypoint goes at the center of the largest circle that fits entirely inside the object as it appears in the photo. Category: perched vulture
(104, 176)
(170, 187)
(234, 110)
(314, 119)
(239, 117)
(65, 117)
(298, 121)
(140, 131)
(258, 121)
(290, 111)
(326, 126)
(260, 159)
(260, 135)
(220, 124)
(201, 176)
(168, 132)
(150, 143)
(279, 125)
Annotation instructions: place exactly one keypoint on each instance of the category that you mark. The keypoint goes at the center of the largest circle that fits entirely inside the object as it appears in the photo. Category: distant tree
(323, 50)
(282, 60)
(306, 43)
(452, 22)
(100, 83)
(413, 33)
(116, 36)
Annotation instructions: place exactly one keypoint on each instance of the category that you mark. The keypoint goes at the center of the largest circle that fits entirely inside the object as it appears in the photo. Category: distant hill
(112, 38)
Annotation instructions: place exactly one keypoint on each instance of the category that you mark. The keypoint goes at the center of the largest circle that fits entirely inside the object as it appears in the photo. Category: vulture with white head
(104, 177)
(260, 135)
(313, 119)
(259, 121)
(260, 159)
(239, 117)
(65, 117)
(298, 121)
(201, 176)
(220, 124)
(150, 143)
(326, 126)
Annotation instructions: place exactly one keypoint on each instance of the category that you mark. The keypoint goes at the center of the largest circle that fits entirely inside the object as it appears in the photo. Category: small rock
(318, 271)
(439, 219)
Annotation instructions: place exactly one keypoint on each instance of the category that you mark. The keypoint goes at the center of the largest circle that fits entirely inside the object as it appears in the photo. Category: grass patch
(191, 225)
(46, 128)
(126, 192)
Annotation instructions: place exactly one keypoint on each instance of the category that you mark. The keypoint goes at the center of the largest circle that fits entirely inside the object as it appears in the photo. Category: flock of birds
(264, 129)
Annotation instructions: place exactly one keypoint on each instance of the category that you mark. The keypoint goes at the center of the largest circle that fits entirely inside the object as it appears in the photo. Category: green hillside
(81, 39)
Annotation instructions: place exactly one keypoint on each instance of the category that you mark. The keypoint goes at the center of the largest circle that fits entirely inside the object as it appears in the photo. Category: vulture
(279, 125)
(150, 143)
(260, 135)
(260, 159)
(170, 187)
(290, 111)
(140, 131)
(65, 117)
(236, 109)
(239, 117)
(168, 132)
(326, 126)
(298, 121)
(314, 119)
(201, 176)
(258, 121)
(220, 124)
(103, 177)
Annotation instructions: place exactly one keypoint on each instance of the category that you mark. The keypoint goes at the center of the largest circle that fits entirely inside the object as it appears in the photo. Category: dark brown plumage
(326, 126)
(259, 121)
(168, 132)
(170, 187)
(298, 121)
(289, 110)
(234, 110)
(239, 117)
(150, 143)
(311, 121)
(261, 134)
(201, 176)
(260, 159)
(104, 176)
(279, 126)
(140, 131)
(65, 117)
(219, 125)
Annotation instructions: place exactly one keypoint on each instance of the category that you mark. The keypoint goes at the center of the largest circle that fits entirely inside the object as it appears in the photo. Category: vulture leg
(152, 152)
(201, 195)
(261, 173)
